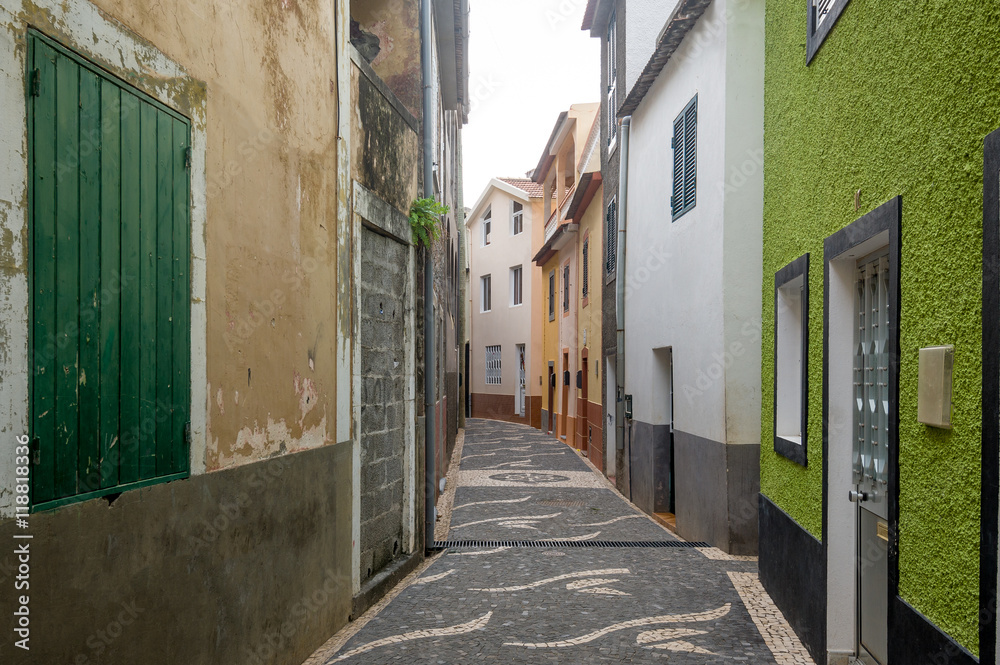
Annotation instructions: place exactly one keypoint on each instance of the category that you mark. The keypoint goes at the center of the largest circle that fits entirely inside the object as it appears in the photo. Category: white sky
(528, 61)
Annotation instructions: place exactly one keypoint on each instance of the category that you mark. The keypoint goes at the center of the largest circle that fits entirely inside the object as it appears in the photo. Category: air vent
(561, 503)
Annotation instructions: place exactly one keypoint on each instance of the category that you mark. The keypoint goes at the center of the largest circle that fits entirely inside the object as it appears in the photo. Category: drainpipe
(430, 375)
(620, 286)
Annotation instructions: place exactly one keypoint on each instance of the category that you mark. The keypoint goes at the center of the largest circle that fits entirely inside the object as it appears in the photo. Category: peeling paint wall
(396, 23)
(270, 201)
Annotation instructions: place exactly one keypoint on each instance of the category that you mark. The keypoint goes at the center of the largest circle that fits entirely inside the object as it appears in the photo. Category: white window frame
(494, 371)
(516, 218)
(516, 286)
(791, 341)
(486, 293)
(487, 226)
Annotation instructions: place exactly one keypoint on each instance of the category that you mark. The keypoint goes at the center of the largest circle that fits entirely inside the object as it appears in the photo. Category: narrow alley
(545, 562)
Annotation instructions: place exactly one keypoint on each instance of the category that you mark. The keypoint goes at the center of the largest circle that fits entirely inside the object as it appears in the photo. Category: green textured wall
(896, 102)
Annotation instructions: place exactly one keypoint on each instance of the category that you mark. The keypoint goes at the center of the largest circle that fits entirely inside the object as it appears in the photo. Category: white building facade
(692, 266)
(502, 281)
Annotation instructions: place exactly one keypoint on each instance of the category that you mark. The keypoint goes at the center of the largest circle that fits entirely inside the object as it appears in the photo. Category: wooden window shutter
(685, 146)
(110, 228)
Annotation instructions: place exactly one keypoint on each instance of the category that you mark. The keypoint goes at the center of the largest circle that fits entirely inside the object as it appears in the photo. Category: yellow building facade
(570, 312)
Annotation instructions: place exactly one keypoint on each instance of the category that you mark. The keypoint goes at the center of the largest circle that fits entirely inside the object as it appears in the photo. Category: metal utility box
(934, 386)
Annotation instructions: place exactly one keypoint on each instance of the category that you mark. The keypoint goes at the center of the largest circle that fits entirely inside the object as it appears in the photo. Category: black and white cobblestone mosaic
(552, 605)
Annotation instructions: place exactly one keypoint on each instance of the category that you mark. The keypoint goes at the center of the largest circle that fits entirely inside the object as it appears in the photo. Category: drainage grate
(561, 503)
(459, 544)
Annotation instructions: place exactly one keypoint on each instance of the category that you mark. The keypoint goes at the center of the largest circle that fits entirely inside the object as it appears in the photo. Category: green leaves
(424, 220)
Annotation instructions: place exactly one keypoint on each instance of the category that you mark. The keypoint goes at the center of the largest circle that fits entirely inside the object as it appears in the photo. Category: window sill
(792, 448)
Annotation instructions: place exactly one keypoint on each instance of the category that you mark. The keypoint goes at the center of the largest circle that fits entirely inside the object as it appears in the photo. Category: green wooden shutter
(685, 146)
(690, 153)
(677, 143)
(109, 275)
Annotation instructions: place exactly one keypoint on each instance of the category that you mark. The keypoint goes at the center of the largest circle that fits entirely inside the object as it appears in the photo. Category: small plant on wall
(425, 220)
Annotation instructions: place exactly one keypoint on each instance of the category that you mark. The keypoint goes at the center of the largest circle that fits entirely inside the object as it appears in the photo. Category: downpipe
(620, 287)
(430, 362)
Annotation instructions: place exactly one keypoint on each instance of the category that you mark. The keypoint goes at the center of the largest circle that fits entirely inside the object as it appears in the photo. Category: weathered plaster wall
(83, 27)
(386, 150)
(397, 25)
(271, 208)
(246, 565)
(896, 102)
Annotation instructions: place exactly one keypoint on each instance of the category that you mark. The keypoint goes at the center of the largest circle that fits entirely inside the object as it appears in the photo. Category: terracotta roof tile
(533, 189)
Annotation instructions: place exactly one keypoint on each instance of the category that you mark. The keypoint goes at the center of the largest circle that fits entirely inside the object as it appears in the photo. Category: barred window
(493, 365)
(586, 268)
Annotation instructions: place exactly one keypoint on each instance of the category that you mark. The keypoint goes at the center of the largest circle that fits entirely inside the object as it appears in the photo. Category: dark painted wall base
(793, 571)
(375, 588)
(237, 567)
(914, 639)
(716, 492)
(650, 460)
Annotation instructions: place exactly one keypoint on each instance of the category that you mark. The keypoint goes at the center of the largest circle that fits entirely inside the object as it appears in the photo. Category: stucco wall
(506, 324)
(270, 200)
(674, 270)
(644, 21)
(896, 102)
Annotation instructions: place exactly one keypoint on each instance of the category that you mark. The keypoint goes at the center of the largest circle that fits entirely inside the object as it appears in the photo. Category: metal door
(871, 454)
(520, 380)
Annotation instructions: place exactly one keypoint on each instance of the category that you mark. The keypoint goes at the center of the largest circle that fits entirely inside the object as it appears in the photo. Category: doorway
(583, 408)
(861, 392)
(870, 453)
(521, 380)
(663, 435)
(552, 396)
(564, 416)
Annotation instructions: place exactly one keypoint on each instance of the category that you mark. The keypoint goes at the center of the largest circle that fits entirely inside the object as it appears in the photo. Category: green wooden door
(110, 286)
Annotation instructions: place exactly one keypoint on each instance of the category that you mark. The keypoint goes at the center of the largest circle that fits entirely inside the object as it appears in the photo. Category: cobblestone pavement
(562, 604)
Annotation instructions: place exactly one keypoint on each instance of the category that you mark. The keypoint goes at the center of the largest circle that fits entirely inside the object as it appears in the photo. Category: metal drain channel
(462, 544)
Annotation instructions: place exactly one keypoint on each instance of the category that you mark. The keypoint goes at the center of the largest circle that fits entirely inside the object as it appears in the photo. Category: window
(493, 365)
(791, 317)
(611, 242)
(552, 295)
(566, 288)
(822, 15)
(517, 220)
(586, 268)
(685, 146)
(515, 286)
(486, 301)
(109, 259)
(487, 226)
(612, 100)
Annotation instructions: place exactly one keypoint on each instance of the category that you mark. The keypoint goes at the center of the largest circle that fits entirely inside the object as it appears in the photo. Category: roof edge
(684, 17)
